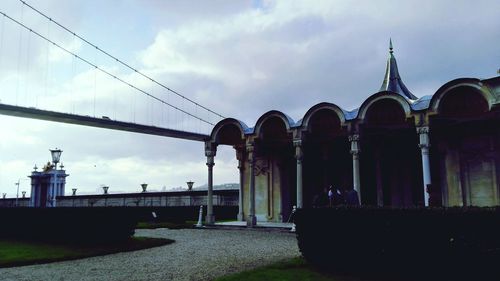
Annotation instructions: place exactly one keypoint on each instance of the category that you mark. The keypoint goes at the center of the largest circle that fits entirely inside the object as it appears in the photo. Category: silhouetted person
(330, 196)
(434, 198)
(351, 197)
(321, 199)
(338, 197)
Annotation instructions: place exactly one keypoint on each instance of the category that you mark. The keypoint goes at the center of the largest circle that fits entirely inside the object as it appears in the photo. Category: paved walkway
(274, 225)
(197, 254)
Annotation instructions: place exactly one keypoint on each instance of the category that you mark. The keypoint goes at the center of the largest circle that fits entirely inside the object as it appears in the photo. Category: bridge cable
(1, 42)
(103, 70)
(118, 60)
(26, 83)
(19, 51)
(47, 69)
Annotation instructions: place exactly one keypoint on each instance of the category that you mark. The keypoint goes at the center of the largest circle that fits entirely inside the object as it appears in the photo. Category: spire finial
(390, 45)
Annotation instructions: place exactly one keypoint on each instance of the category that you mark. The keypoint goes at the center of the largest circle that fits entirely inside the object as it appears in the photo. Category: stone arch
(384, 108)
(228, 131)
(463, 97)
(324, 118)
(273, 124)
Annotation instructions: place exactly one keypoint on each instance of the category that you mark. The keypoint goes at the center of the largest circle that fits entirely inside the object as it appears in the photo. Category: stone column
(299, 155)
(354, 140)
(241, 168)
(378, 176)
(424, 145)
(210, 153)
(251, 219)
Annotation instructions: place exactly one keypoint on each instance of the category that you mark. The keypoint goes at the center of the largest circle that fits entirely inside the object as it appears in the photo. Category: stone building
(396, 149)
(47, 185)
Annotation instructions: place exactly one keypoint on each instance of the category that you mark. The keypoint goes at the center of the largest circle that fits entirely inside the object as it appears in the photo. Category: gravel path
(196, 255)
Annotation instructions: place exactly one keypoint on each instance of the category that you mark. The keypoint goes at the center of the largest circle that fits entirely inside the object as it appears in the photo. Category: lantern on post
(190, 185)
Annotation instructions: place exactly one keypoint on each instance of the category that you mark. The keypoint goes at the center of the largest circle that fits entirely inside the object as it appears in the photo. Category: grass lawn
(294, 269)
(16, 253)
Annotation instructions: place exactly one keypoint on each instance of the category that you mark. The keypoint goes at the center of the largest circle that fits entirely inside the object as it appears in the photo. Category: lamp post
(17, 193)
(56, 156)
(190, 185)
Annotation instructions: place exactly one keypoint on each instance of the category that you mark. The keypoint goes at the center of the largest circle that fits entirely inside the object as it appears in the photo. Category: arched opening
(275, 171)
(229, 134)
(465, 149)
(391, 172)
(327, 159)
(229, 139)
(386, 112)
(462, 103)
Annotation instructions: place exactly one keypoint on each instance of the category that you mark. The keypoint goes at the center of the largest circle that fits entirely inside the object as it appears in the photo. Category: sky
(238, 58)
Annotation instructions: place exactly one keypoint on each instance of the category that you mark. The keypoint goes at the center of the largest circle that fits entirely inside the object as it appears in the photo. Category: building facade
(47, 185)
(396, 149)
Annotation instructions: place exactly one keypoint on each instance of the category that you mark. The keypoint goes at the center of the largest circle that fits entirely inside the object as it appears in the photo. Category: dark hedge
(449, 241)
(92, 225)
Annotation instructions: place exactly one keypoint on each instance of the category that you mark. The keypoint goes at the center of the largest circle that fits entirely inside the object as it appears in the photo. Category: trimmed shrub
(92, 225)
(399, 239)
(75, 225)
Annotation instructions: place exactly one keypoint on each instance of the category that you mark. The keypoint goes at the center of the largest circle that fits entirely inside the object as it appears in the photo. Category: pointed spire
(392, 80)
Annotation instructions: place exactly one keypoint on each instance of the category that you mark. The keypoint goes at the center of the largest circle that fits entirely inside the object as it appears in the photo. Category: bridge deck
(54, 116)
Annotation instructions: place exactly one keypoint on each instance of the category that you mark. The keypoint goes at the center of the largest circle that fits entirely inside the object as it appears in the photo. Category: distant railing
(146, 199)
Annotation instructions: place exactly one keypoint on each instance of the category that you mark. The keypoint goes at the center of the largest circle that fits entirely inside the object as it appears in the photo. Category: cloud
(239, 58)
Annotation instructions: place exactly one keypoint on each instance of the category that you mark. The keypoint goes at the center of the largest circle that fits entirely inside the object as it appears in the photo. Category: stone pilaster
(251, 219)
(355, 150)
(424, 144)
(241, 168)
(210, 151)
(297, 143)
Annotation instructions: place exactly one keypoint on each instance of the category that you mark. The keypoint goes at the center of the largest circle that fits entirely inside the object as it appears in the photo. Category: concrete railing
(146, 199)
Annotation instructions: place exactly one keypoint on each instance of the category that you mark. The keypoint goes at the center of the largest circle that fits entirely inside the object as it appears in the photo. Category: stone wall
(153, 199)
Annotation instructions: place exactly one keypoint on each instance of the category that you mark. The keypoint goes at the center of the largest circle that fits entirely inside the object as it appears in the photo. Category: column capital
(240, 149)
(299, 154)
(210, 160)
(297, 142)
(210, 149)
(423, 130)
(354, 140)
(353, 137)
(250, 147)
(241, 165)
(423, 133)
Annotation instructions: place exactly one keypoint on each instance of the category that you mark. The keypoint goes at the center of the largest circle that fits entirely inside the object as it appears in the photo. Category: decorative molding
(354, 137)
(423, 130)
(424, 142)
(261, 167)
(354, 140)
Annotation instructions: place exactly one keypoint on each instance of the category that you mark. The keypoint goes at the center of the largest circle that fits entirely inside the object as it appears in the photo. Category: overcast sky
(239, 58)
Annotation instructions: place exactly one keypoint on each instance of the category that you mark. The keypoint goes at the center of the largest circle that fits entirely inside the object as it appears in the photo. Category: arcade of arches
(394, 150)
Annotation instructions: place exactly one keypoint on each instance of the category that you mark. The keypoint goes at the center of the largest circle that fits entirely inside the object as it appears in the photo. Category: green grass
(16, 253)
(290, 270)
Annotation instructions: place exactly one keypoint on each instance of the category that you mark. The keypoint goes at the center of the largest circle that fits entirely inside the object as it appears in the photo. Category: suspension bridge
(49, 72)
